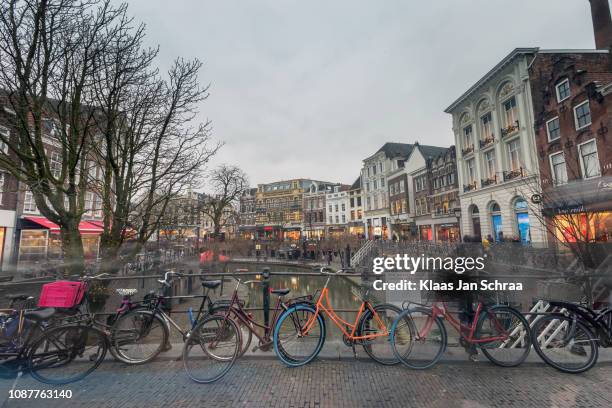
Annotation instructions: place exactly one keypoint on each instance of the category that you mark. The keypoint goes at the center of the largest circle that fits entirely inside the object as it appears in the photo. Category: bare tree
(49, 51)
(227, 184)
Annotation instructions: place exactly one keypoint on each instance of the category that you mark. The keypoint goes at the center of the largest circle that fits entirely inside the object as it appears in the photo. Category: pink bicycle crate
(62, 294)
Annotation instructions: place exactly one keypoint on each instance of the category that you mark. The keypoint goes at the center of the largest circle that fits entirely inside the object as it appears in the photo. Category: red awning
(84, 226)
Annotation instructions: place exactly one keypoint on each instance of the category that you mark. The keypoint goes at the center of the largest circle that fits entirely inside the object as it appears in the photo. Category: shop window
(33, 245)
(522, 220)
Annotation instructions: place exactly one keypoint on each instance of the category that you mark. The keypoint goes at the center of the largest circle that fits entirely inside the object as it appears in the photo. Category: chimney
(602, 23)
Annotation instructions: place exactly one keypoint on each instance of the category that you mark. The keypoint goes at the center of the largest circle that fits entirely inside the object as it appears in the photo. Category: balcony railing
(487, 141)
(510, 129)
(469, 187)
(512, 174)
(488, 181)
(467, 150)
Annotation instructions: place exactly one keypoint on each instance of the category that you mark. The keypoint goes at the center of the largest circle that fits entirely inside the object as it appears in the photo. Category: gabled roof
(432, 151)
(356, 184)
(392, 149)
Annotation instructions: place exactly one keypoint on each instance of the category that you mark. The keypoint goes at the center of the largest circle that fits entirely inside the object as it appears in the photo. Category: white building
(375, 194)
(496, 153)
(338, 210)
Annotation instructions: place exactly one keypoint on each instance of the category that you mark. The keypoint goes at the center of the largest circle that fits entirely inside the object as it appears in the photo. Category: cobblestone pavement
(257, 382)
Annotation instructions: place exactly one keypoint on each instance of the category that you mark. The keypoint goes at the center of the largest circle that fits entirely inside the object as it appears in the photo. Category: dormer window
(563, 90)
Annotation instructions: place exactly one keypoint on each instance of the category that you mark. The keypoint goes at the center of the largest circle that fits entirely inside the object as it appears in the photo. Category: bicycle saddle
(19, 296)
(126, 292)
(40, 314)
(211, 284)
(280, 292)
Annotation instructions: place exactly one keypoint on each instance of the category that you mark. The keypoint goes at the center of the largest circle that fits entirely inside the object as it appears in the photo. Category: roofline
(505, 61)
(572, 51)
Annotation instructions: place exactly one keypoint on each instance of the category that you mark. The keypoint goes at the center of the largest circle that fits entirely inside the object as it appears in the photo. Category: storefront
(448, 232)
(584, 227)
(315, 233)
(292, 234)
(336, 232)
(425, 233)
(356, 229)
(40, 240)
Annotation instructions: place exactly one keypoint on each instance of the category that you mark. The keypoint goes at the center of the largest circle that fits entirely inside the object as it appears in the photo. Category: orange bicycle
(300, 331)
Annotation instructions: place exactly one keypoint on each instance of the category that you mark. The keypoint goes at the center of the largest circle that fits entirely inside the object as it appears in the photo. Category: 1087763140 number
(40, 394)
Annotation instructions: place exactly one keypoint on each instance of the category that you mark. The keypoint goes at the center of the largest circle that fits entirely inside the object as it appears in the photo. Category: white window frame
(518, 156)
(7, 134)
(552, 168)
(557, 90)
(582, 162)
(576, 117)
(548, 131)
(28, 210)
(487, 162)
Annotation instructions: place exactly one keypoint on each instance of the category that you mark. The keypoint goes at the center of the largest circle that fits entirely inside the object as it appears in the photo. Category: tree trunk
(72, 249)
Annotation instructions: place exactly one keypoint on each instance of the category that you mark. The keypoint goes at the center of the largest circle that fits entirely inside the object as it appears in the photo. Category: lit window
(589, 161)
(552, 129)
(563, 91)
(582, 115)
(558, 168)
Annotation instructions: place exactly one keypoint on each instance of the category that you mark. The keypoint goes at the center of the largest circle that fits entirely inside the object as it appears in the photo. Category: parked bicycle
(568, 338)
(300, 331)
(419, 336)
(53, 354)
(211, 342)
(246, 321)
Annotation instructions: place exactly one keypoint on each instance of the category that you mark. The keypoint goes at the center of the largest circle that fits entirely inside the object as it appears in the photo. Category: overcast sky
(310, 88)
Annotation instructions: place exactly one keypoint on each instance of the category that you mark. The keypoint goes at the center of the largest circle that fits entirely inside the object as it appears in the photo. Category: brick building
(572, 101)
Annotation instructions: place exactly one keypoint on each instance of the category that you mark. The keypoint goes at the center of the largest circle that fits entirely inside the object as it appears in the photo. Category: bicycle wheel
(291, 345)
(564, 343)
(138, 336)
(211, 349)
(246, 334)
(379, 348)
(65, 354)
(503, 335)
(418, 339)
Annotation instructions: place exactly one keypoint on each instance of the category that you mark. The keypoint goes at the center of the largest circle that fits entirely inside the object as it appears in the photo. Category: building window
(337, 219)
(552, 129)
(487, 125)
(514, 153)
(330, 208)
(375, 185)
(343, 207)
(490, 163)
(88, 205)
(29, 205)
(6, 135)
(510, 113)
(582, 115)
(343, 218)
(563, 90)
(467, 137)
(331, 219)
(558, 168)
(471, 171)
(55, 164)
(2, 180)
(382, 182)
(589, 161)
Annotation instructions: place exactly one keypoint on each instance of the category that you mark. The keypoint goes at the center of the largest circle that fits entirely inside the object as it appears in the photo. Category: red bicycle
(419, 337)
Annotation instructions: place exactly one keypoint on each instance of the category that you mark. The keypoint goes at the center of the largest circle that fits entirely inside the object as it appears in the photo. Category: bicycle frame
(461, 328)
(156, 309)
(324, 305)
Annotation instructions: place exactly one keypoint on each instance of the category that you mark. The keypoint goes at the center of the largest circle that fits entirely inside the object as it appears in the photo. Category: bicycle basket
(64, 294)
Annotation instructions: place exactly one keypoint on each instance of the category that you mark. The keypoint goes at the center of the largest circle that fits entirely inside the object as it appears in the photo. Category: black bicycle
(53, 354)
(568, 338)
